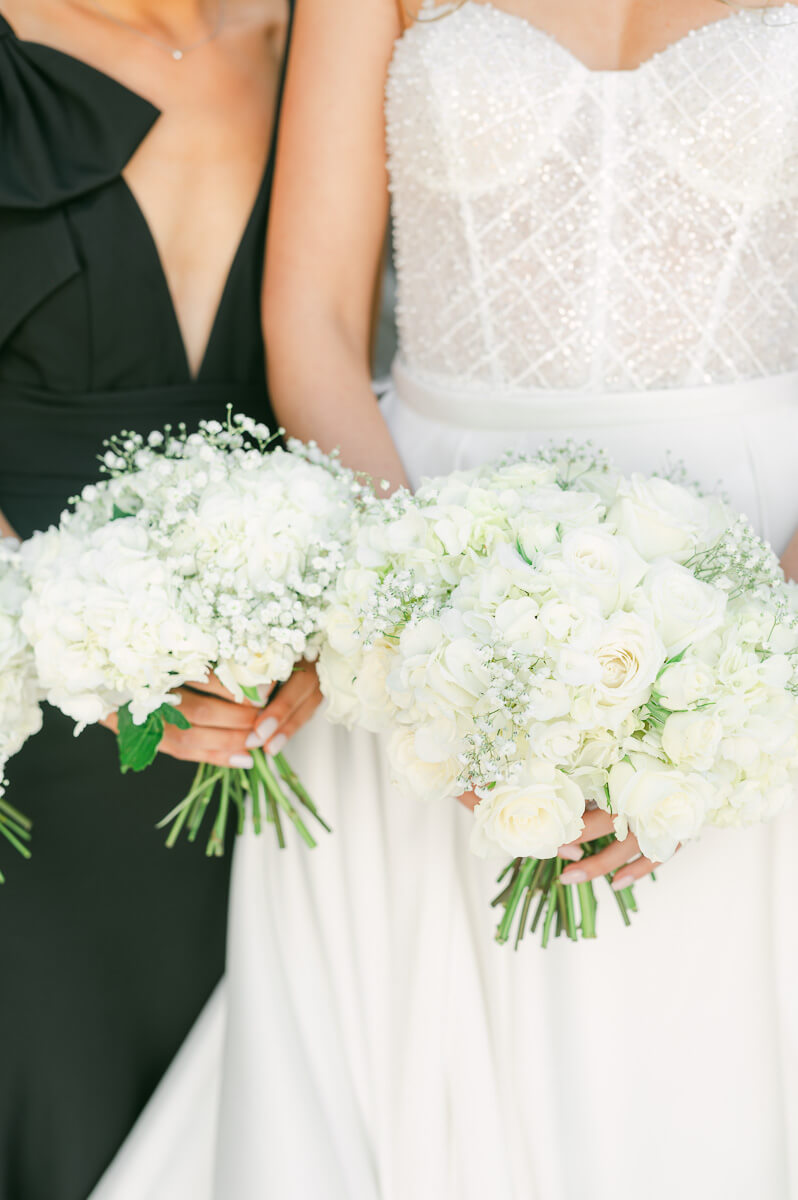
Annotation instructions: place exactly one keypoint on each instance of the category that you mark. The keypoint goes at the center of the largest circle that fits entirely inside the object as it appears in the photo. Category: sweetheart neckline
(543, 35)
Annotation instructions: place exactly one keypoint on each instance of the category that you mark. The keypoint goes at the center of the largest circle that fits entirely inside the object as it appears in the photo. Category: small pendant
(177, 55)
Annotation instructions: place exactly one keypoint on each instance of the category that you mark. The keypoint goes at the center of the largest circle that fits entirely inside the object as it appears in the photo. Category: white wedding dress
(580, 254)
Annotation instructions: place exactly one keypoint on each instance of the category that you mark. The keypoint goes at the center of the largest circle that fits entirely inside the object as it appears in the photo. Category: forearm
(789, 559)
(5, 528)
(321, 390)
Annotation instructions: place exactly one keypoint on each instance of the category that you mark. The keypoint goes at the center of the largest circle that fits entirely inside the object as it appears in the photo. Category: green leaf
(251, 693)
(138, 744)
(523, 553)
(669, 662)
(119, 514)
(173, 716)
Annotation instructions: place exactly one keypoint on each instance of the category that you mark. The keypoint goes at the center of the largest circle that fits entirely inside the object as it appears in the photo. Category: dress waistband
(515, 410)
(50, 442)
(50, 436)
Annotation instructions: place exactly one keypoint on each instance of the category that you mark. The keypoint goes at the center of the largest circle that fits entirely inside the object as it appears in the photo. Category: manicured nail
(622, 883)
(572, 853)
(278, 743)
(253, 740)
(242, 761)
(573, 877)
(266, 729)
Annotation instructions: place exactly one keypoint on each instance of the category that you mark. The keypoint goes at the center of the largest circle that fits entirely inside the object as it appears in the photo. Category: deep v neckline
(542, 35)
(151, 241)
(165, 286)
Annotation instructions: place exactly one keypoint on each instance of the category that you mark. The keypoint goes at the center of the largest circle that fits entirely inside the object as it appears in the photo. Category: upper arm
(330, 203)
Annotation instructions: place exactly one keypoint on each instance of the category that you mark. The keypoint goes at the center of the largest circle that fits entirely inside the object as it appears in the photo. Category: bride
(596, 237)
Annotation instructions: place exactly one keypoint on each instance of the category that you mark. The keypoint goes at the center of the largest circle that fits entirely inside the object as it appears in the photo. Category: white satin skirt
(378, 1044)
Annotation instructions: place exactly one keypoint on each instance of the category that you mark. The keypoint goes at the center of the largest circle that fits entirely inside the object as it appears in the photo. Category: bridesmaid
(135, 169)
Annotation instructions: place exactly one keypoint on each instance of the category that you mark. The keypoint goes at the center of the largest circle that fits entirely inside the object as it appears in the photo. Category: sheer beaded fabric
(559, 227)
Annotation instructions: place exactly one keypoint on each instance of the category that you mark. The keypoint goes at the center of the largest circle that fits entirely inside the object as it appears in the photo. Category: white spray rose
(663, 520)
(534, 815)
(683, 609)
(418, 777)
(337, 677)
(602, 564)
(691, 739)
(684, 684)
(663, 807)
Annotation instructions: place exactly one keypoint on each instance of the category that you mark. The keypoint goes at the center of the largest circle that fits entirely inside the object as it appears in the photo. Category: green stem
(524, 915)
(12, 838)
(15, 815)
(297, 787)
(203, 800)
(570, 911)
(281, 800)
(517, 890)
(550, 914)
(587, 907)
(621, 902)
(215, 847)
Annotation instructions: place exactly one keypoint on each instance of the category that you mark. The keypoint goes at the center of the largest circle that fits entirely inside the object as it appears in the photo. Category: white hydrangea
(542, 622)
(20, 693)
(206, 551)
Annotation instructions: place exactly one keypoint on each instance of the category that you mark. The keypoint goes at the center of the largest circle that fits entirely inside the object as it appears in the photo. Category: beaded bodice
(563, 228)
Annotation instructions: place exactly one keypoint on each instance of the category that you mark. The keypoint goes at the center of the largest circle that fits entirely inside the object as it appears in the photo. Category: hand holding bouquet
(20, 713)
(206, 552)
(557, 637)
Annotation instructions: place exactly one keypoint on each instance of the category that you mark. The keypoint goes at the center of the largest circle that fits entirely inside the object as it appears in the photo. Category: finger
(216, 687)
(469, 800)
(630, 874)
(603, 863)
(221, 747)
(210, 710)
(300, 688)
(299, 717)
(597, 823)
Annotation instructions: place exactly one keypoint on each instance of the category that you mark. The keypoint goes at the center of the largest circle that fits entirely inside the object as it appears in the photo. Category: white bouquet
(555, 636)
(20, 711)
(211, 551)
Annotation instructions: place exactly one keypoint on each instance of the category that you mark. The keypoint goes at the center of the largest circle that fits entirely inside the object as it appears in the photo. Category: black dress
(109, 944)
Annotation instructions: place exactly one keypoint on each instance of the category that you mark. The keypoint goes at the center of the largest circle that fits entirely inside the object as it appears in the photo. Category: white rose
(601, 562)
(337, 677)
(663, 520)
(377, 709)
(416, 776)
(753, 801)
(691, 739)
(455, 677)
(629, 654)
(663, 806)
(533, 816)
(684, 609)
(685, 683)
(341, 629)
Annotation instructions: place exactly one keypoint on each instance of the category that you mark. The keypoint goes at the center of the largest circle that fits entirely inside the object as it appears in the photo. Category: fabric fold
(67, 128)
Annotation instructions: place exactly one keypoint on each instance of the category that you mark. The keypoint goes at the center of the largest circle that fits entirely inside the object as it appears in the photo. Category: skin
(196, 177)
(328, 226)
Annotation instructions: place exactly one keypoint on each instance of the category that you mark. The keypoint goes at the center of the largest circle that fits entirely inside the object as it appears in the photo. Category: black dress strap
(65, 127)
